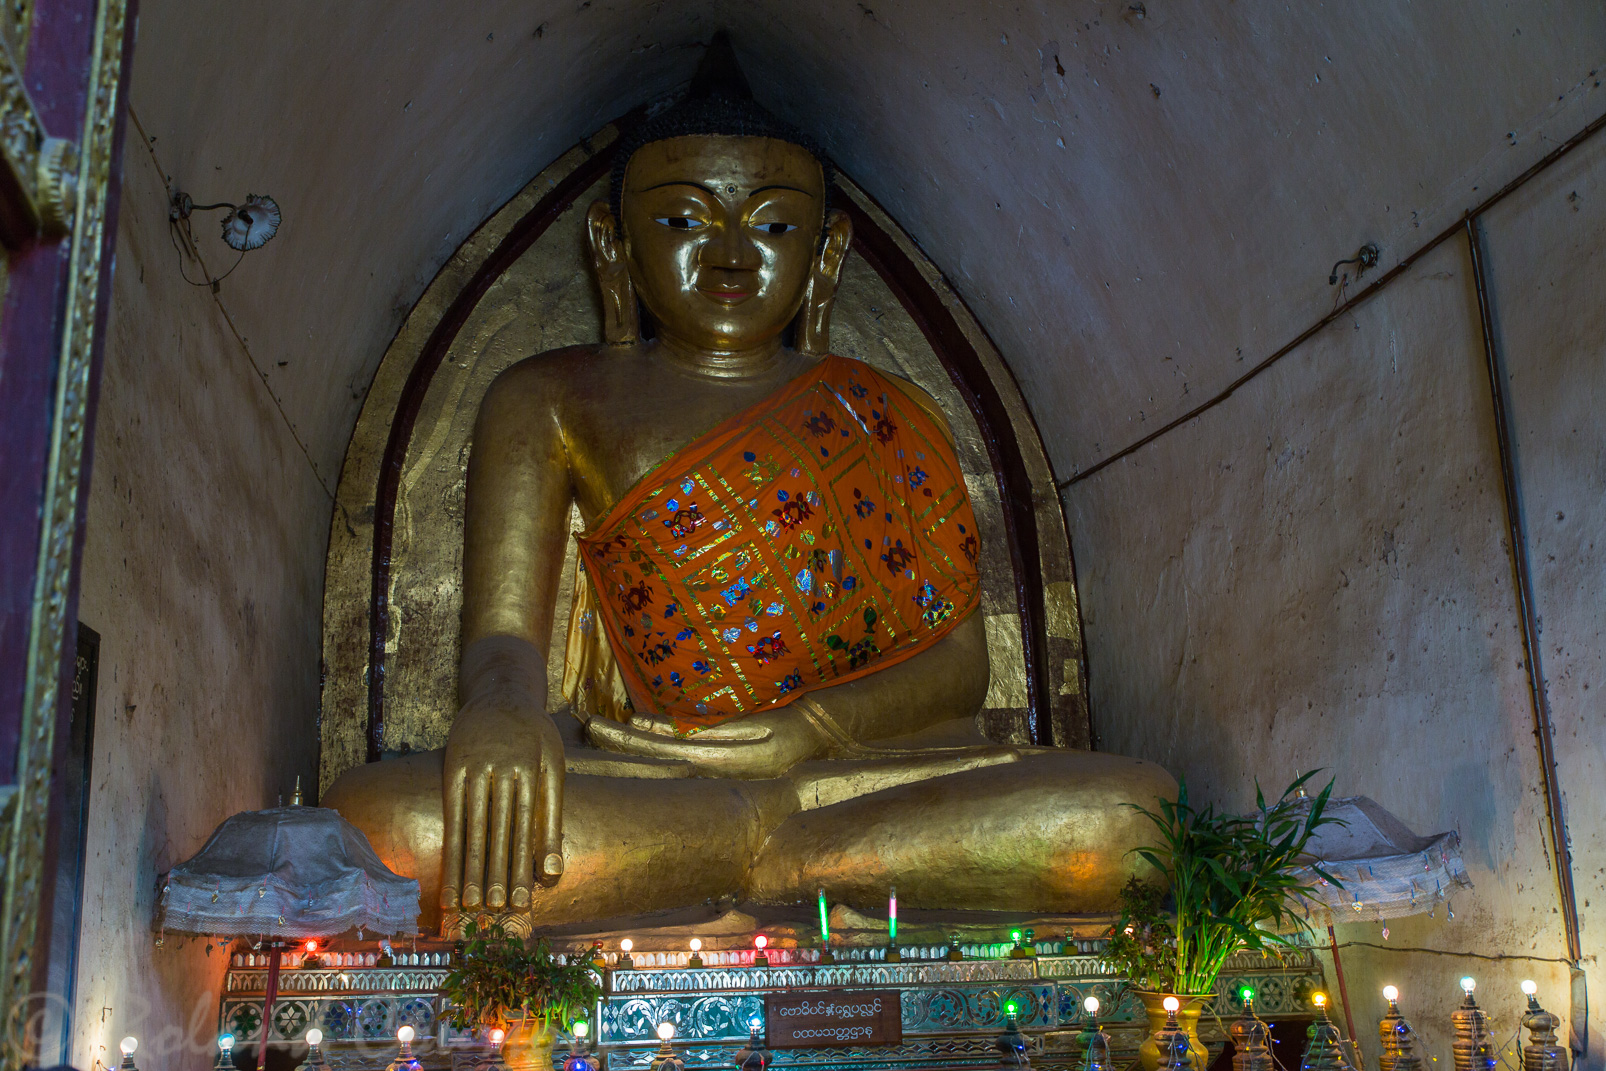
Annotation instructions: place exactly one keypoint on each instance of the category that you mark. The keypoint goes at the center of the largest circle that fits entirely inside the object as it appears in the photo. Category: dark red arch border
(901, 275)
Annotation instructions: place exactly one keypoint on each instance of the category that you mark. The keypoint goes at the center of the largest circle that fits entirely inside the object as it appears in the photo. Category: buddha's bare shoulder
(558, 379)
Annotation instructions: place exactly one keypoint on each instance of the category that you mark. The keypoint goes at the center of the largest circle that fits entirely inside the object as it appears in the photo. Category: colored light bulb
(1319, 999)
(225, 1042)
(498, 1036)
(581, 1028)
(761, 942)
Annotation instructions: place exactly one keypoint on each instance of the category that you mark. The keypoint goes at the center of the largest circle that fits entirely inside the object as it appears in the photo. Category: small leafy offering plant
(496, 978)
(1231, 877)
(1142, 945)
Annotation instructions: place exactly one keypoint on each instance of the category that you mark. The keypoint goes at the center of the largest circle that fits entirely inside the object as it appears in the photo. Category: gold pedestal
(1473, 1049)
(1542, 1053)
(1251, 1042)
(1150, 1054)
(1398, 1041)
(1325, 1049)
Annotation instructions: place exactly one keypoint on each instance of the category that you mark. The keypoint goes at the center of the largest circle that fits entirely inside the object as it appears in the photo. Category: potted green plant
(500, 982)
(1233, 889)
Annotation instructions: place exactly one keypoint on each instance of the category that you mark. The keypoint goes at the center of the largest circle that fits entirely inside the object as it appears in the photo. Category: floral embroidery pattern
(818, 536)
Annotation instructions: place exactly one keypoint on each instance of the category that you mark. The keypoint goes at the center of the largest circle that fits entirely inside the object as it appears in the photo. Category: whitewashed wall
(202, 573)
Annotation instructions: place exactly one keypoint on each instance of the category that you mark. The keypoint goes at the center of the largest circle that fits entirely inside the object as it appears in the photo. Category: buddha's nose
(729, 248)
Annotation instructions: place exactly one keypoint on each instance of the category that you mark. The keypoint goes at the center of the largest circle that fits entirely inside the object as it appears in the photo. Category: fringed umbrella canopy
(289, 872)
(1387, 871)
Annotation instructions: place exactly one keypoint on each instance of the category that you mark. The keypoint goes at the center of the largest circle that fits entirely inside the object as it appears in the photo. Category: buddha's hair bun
(718, 104)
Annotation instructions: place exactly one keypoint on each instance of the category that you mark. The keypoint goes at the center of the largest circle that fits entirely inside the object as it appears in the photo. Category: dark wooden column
(62, 72)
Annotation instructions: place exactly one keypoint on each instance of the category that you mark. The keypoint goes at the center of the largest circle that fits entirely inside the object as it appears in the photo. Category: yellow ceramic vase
(528, 1045)
(1187, 1018)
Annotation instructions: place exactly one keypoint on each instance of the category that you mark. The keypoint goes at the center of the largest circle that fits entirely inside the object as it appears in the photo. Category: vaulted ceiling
(1139, 200)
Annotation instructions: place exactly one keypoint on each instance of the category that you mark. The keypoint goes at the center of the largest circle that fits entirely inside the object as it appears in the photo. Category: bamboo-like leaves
(1232, 876)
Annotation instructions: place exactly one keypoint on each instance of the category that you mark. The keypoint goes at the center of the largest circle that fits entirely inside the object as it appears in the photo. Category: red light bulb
(312, 946)
(761, 942)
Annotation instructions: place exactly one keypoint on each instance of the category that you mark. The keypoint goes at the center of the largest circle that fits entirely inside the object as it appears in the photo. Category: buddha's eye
(777, 228)
(679, 223)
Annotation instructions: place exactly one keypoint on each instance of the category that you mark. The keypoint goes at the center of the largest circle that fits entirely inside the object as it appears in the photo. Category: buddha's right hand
(503, 784)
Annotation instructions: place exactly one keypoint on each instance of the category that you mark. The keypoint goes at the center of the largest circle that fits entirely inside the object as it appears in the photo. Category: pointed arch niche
(521, 284)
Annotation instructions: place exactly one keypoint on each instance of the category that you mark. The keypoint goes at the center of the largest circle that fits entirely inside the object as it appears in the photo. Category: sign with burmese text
(818, 1018)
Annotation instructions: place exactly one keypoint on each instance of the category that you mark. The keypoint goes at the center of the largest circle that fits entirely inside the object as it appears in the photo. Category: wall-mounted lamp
(1366, 257)
(249, 225)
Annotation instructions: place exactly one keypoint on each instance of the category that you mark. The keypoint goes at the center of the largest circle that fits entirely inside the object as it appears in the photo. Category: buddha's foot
(1050, 833)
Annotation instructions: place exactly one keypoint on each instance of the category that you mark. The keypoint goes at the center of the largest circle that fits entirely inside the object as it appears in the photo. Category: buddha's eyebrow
(714, 193)
(681, 182)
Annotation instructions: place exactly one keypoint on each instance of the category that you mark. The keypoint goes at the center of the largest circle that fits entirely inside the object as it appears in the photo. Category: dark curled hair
(716, 116)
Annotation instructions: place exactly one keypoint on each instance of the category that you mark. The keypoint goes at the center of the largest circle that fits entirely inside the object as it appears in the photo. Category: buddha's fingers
(741, 729)
(551, 830)
(503, 790)
(452, 841)
(759, 757)
(478, 818)
(627, 738)
(653, 723)
(524, 832)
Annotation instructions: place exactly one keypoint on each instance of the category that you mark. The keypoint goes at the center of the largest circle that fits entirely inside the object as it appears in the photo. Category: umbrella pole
(274, 949)
(1343, 995)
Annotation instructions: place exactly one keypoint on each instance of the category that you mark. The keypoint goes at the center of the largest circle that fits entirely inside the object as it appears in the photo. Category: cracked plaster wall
(1316, 573)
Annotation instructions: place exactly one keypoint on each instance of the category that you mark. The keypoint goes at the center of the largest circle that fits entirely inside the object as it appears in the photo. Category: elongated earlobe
(814, 328)
(621, 321)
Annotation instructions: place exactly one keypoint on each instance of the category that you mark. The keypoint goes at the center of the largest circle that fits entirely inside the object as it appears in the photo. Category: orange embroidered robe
(816, 537)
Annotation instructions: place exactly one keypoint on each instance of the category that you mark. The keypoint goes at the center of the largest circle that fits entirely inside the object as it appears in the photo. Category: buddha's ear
(814, 330)
(621, 320)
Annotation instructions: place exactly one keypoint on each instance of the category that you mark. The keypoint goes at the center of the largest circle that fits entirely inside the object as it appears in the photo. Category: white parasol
(1386, 870)
(288, 872)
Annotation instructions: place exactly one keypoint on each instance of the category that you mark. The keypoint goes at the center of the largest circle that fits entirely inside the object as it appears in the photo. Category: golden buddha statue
(862, 767)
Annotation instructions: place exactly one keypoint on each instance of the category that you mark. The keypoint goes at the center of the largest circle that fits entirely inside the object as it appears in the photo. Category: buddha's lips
(724, 295)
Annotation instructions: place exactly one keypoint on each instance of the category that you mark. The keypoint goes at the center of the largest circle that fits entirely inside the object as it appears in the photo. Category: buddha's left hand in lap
(758, 746)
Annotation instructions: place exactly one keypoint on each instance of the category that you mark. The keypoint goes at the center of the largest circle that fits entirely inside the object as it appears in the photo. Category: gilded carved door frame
(63, 67)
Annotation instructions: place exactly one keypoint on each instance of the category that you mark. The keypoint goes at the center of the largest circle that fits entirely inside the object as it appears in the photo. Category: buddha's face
(720, 234)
